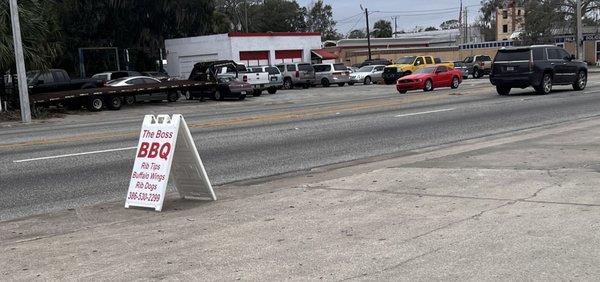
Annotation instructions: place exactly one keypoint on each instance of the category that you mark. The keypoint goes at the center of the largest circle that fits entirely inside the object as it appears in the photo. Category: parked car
(479, 65)
(429, 78)
(367, 74)
(258, 79)
(384, 62)
(326, 74)
(275, 77)
(111, 75)
(157, 74)
(217, 86)
(459, 65)
(297, 74)
(408, 65)
(170, 96)
(540, 66)
(54, 80)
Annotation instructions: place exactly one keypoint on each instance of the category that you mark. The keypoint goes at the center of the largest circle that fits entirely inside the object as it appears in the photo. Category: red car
(429, 78)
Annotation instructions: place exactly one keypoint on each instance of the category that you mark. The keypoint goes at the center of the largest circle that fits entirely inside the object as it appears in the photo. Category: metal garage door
(186, 63)
(254, 58)
(288, 56)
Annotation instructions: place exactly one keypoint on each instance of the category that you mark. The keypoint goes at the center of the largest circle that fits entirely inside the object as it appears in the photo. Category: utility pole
(246, 14)
(395, 27)
(466, 25)
(579, 32)
(368, 32)
(20, 62)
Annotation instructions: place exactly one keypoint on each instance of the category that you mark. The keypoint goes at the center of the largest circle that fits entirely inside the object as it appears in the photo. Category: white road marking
(74, 155)
(427, 112)
(594, 91)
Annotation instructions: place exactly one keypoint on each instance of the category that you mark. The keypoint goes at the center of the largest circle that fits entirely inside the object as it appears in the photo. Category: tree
(450, 24)
(320, 19)
(278, 15)
(39, 31)
(357, 33)
(540, 21)
(487, 21)
(139, 26)
(431, 28)
(382, 29)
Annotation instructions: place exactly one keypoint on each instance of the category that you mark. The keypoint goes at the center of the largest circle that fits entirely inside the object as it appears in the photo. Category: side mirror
(572, 57)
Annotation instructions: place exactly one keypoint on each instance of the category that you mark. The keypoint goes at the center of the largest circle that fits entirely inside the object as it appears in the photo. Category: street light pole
(579, 32)
(20, 62)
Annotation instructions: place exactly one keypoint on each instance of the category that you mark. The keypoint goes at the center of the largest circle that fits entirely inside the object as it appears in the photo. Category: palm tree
(39, 31)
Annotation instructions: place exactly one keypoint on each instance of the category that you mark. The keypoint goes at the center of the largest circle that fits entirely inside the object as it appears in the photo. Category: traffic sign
(166, 147)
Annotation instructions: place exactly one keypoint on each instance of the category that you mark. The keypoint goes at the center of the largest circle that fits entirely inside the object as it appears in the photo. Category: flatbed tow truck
(96, 99)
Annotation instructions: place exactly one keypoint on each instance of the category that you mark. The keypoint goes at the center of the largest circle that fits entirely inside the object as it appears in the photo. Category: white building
(252, 49)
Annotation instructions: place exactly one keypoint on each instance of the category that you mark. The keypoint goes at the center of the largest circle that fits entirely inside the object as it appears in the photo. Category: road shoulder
(503, 207)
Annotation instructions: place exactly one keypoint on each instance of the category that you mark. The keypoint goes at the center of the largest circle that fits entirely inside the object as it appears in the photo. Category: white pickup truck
(260, 81)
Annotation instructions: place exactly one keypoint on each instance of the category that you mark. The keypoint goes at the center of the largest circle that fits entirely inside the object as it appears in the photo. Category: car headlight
(419, 80)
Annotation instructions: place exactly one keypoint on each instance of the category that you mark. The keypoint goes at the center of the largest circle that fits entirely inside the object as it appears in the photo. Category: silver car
(326, 74)
(464, 70)
(275, 77)
(295, 74)
(367, 74)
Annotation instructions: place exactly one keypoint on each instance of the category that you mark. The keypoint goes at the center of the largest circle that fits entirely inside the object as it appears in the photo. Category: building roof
(263, 34)
(324, 55)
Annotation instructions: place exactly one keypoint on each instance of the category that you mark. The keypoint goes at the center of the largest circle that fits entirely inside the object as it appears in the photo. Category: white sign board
(166, 147)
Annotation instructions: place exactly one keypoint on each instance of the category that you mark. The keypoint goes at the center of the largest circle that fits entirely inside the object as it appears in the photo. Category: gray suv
(294, 74)
(326, 74)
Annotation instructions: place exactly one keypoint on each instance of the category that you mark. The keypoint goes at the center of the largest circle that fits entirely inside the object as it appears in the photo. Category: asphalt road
(287, 132)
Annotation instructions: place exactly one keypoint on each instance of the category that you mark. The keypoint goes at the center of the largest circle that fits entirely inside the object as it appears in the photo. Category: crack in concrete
(522, 200)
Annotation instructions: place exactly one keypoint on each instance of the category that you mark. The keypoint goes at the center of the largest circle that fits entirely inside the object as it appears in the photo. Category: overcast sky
(410, 13)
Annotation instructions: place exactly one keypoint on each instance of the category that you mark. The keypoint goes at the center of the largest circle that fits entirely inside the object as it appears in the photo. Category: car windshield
(406, 60)
(366, 69)
(31, 76)
(425, 70)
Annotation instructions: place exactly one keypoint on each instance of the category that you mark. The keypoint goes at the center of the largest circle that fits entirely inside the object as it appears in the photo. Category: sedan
(367, 74)
(429, 78)
(171, 96)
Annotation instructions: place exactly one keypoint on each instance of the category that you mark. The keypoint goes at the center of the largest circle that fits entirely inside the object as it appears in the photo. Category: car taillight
(481, 64)
(297, 74)
(245, 78)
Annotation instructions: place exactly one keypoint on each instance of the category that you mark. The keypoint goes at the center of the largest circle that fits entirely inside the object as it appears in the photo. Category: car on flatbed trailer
(218, 84)
(540, 67)
(52, 80)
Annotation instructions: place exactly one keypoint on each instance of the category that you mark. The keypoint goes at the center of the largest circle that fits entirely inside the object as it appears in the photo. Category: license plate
(510, 68)
(273, 78)
(243, 92)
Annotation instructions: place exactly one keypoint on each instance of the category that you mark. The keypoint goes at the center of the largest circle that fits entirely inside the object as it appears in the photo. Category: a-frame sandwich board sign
(165, 149)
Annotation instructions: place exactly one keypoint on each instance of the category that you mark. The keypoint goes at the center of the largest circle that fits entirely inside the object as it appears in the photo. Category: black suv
(537, 66)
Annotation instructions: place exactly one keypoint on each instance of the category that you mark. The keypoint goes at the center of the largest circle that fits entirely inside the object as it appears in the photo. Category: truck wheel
(477, 73)
(581, 81)
(114, 103)
(188, 95)
(455, 83)
(129, 100)
(325, 82)
(256, 93)
(503, 90)
(367, 80)
(272, 90)
(287, 83)
(95, 104)
(428, 85)
(545, 86)
(172, 97)
(351, 83)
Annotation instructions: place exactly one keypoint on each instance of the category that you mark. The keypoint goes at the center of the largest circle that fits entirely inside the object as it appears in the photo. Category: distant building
(252, 49)
(509, 21)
